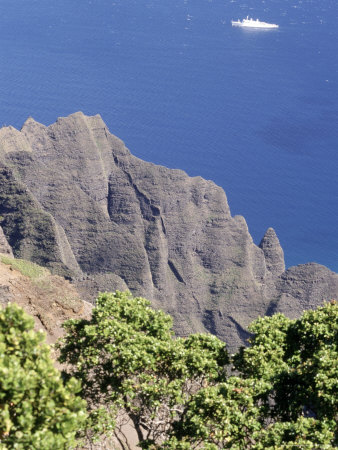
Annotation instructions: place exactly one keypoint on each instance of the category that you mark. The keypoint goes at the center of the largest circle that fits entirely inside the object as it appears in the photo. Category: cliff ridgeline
(73, 199)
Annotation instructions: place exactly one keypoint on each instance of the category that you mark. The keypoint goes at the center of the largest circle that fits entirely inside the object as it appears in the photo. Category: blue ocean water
(255, 111)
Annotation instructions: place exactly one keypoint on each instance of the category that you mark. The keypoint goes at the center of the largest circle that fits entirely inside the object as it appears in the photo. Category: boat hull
(250, 23)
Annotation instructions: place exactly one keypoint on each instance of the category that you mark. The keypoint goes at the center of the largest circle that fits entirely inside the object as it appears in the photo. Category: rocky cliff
(74, 199)
(50, 299)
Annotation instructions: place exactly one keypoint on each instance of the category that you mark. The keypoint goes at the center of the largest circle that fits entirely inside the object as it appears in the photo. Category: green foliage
(37, 409)
(223, 416)
(27, 268)
(176, 390)
(303, 433)
(127, 357)
(283, 397)
(300, 360)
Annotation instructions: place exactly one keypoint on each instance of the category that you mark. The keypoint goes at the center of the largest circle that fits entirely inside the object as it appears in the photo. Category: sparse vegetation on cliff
(27, 268)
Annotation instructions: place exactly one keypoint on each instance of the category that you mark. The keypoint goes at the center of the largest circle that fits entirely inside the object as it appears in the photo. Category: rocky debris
(75, 200)
(273, 252)
(50, 299)
(4, 245)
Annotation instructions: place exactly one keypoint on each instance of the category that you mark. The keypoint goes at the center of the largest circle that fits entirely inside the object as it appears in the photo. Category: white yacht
(250, 23)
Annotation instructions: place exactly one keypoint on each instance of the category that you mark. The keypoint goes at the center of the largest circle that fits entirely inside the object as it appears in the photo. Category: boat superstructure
(251, 23)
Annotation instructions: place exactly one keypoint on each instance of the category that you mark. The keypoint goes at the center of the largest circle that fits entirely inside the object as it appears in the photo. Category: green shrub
(37, 409)
(128, 359)
(177, 392)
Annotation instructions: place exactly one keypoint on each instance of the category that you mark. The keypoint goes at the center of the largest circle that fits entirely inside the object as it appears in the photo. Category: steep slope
(273, 252)
(5, 248)
(74, 199)
(303, 287)
(50, 299)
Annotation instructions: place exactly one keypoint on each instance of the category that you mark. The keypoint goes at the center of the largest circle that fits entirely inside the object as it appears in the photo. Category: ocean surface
(256, 111)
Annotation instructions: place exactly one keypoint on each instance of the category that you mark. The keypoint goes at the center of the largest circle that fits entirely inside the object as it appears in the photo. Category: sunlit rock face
(273, 252)
(73, 198)
(5, 248)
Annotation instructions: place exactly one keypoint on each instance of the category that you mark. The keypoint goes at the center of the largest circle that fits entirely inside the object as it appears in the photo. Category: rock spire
(273, 252)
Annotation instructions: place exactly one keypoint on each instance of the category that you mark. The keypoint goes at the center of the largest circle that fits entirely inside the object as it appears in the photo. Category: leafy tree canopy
(299, 358)
(180, 393)
(127, 357)
(37, 410)
(284, 395)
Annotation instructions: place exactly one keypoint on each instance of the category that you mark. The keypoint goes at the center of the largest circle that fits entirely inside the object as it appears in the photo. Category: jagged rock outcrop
(4, 245)
(74, 199)
(273, 252)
